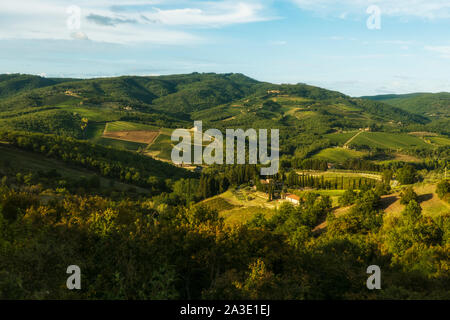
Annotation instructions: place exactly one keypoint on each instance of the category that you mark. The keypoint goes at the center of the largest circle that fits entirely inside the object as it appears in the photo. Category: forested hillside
(427, 104)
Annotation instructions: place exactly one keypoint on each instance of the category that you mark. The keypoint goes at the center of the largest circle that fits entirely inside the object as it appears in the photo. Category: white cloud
(120, 21)
(429, 9)
(214, 14)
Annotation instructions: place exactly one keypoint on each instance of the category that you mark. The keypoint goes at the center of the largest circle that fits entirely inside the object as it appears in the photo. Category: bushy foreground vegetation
(136, 249)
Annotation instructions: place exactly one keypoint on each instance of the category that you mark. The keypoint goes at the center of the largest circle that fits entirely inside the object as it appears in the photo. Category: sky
(358, 47)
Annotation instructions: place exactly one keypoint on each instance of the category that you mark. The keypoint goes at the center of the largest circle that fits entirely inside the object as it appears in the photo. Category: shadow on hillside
(387, 201)
(425, 197)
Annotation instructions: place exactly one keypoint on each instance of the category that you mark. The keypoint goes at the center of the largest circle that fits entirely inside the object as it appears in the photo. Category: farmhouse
(292, 198)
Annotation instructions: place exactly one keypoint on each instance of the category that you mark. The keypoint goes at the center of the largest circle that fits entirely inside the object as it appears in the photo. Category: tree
(407, 175)
(387, 176)
(443, 189)
(408, 195)
(348, 197)
(413, 212)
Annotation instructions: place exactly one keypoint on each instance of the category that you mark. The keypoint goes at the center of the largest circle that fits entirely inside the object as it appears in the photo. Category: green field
(238, 206)
(128, 126)
(385, 140)
(162, 146)
(94, 131)
(238, 216)
(120, 144)
(338, 154)
(218, 203)
(340, 138)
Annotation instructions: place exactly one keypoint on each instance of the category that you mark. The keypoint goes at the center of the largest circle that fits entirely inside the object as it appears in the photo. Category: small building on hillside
(292, 198)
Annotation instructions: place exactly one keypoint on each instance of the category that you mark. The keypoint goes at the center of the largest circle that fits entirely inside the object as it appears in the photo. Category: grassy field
(331, 174)
(239, 216)
(429, 201)
(338, 154)
(400, 157)
(386, 140)
(238, 206)
(218, 203)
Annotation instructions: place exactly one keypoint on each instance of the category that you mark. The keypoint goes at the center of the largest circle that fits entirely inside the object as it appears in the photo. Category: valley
(86, 176)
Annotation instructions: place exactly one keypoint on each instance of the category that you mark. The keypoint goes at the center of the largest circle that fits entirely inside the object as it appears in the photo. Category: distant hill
(175, 95)
(304, 114)
(11, 84)
(433, 105)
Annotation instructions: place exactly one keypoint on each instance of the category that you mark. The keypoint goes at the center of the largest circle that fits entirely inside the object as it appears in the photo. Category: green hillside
(426, 104)
(306, 116)
(11, 84)
(385, 140)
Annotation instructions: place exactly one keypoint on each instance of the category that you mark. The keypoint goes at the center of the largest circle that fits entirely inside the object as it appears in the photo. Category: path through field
(351, 139)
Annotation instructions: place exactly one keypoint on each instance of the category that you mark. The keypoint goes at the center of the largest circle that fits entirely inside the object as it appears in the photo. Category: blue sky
(327, 43)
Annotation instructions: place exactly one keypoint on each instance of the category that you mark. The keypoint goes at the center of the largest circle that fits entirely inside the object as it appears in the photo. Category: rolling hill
(426, 104)
(306, 115)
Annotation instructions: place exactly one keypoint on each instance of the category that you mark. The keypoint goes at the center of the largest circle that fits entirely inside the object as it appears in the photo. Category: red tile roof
(293, 197)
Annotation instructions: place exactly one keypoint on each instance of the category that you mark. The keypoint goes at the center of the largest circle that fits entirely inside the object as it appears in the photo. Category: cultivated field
(340, 138)
(131, 132)
(117, 126)
(146, 137)
(161, 147)
(386, 140)
(338, 154)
